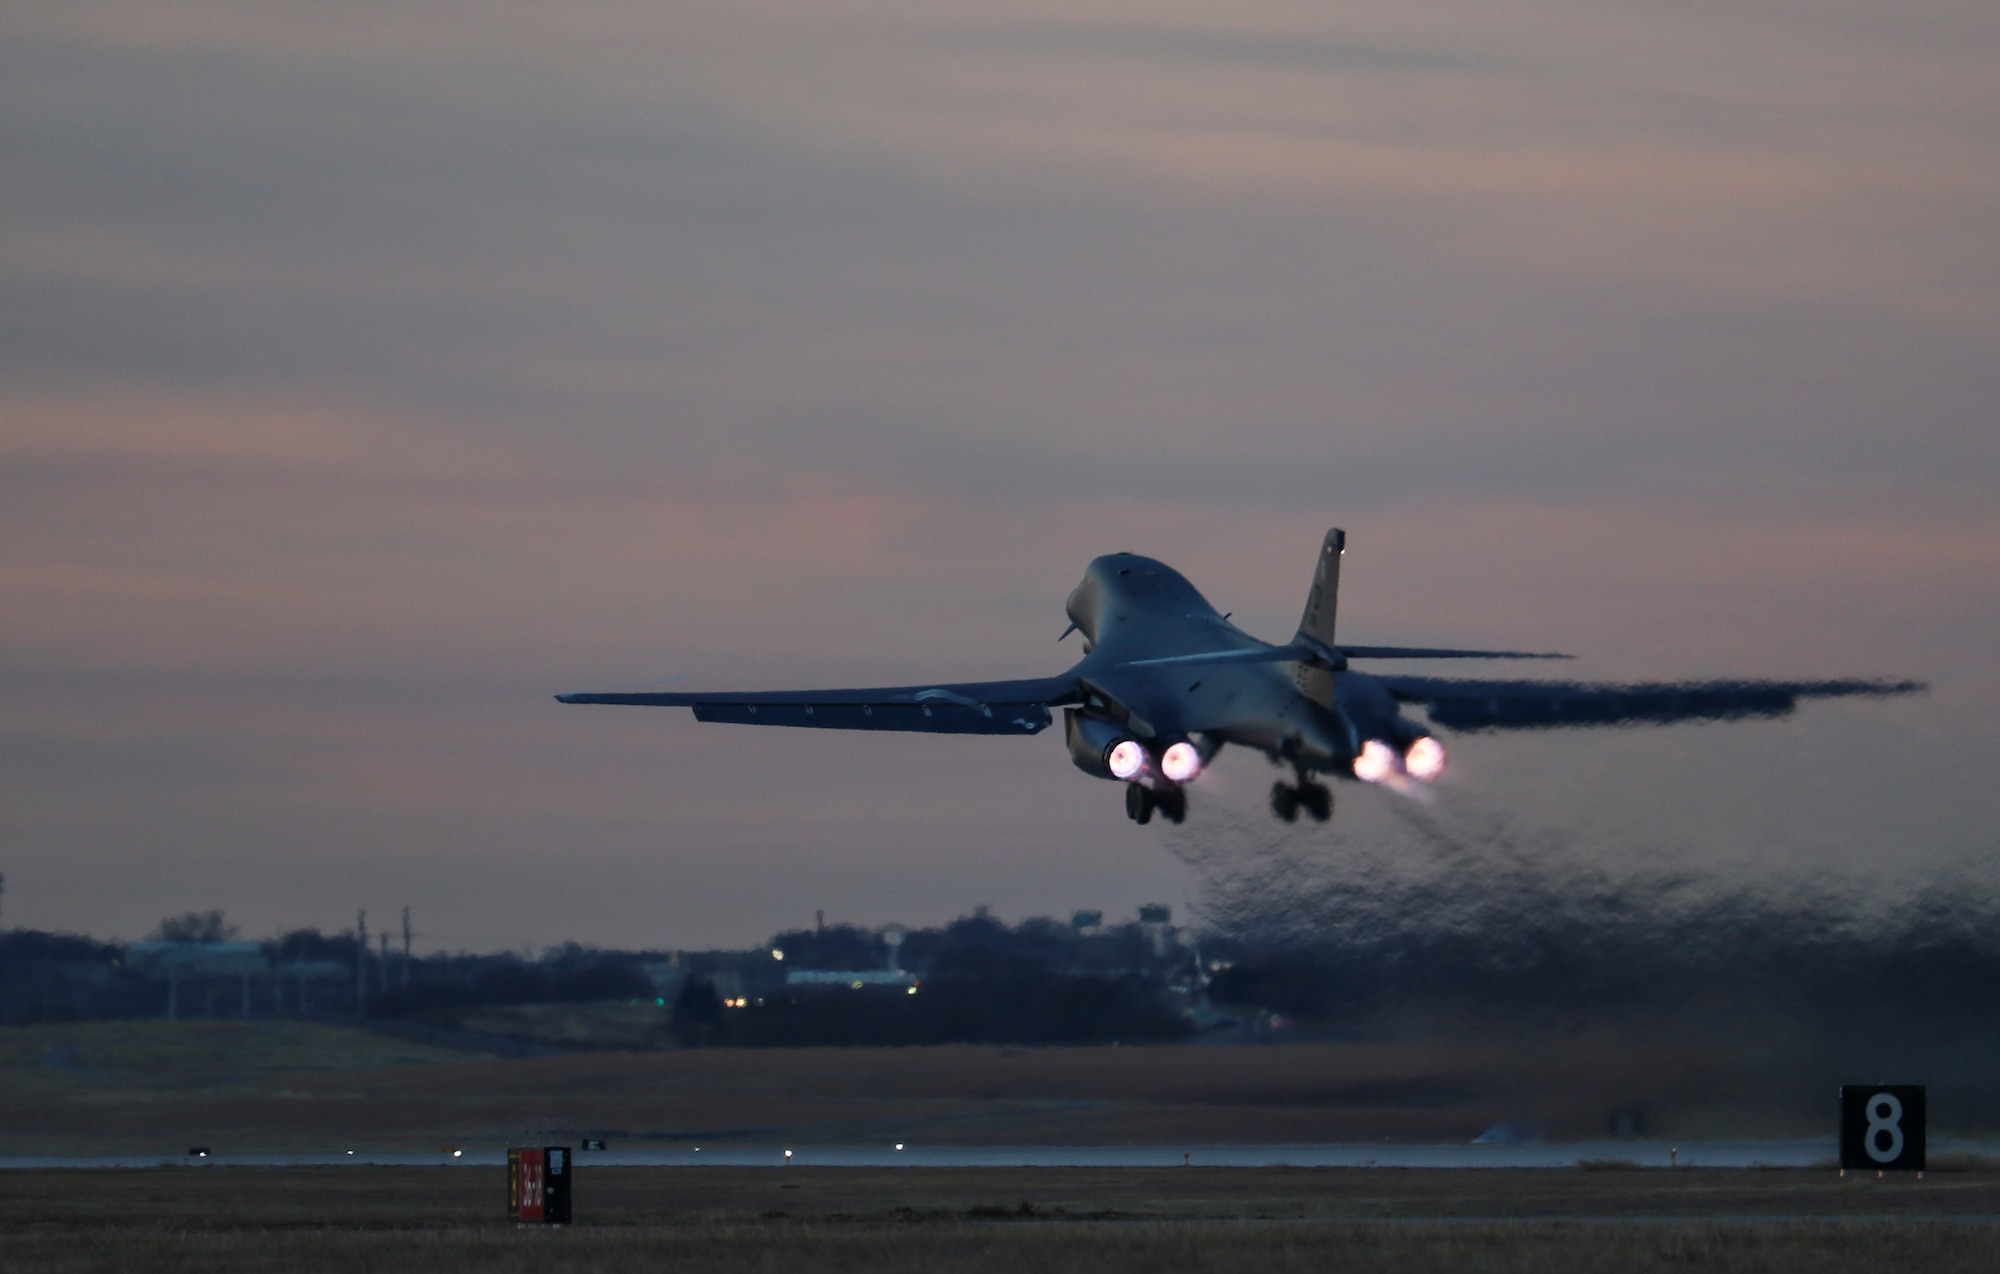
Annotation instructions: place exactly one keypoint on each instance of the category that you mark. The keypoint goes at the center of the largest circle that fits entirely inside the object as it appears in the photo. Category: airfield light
(899, 1145)
(1425, 760)
(788, 1154)
(913, 991)
(777, 954)
(1180, 762)
(1376, 762)
(1126, 759)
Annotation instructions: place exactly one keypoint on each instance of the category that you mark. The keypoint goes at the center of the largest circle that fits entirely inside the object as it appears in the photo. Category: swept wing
(970, 707)
(1541, 705)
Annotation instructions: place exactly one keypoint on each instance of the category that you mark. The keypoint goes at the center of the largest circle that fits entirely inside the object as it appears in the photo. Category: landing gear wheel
(1173, 803)
(1316, 800)
(1139, 803)
(1285, 801)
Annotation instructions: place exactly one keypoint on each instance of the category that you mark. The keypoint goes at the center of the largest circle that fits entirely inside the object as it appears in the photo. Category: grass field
(157, 1087)
(448, 1219)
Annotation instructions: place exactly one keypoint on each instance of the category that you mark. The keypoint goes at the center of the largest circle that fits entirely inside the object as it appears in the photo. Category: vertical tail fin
(1322, 606)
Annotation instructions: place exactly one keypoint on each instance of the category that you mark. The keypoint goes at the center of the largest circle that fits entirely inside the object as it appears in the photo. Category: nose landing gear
(1141, 801)
(1287, 800)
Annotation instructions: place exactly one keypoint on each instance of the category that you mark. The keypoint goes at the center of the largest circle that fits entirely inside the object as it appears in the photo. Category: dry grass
(161, 1056)
(610, 1024)
(1253, 1248)
(157, 1087)
(1963, 1161)
(1003, 1220)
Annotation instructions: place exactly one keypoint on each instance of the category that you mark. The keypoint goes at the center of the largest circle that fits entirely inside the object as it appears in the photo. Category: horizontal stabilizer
(1304, 651)
(1244, 655)
(1426, 652)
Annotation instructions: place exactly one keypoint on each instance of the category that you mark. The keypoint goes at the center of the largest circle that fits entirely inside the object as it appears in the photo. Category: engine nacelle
(1101, 747)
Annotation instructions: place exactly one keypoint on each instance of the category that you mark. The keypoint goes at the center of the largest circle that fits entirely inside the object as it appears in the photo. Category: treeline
(569, 974)
(977, 981)
(53, 977)
(1357, 953)
(48, 977)
(1039, 940)
(1013, 1004)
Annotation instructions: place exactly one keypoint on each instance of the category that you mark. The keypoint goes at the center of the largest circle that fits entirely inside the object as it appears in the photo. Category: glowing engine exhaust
(1425, 760)
(1376, 763)
(1180, 763)
(1126, 759)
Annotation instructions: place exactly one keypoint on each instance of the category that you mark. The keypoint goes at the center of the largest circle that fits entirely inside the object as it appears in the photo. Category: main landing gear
(1141, 801)
(1287, 799)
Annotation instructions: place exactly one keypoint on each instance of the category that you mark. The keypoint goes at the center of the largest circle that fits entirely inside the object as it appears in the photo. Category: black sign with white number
(1882, 1127)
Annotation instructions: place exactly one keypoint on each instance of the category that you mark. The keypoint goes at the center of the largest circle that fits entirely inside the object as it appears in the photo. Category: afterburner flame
(1126, 759)
(1376, 762)
(1180, 762)
(1425, 760)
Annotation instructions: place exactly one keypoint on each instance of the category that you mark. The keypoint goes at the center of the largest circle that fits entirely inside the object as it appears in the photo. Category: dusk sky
(371, 373)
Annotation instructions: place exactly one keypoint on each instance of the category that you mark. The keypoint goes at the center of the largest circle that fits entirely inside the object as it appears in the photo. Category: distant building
(856, 978)
(204, 964)
(891, 975)
(205, 958)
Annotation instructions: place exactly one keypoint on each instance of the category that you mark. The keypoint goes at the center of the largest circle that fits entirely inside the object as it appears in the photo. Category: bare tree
(196, 926)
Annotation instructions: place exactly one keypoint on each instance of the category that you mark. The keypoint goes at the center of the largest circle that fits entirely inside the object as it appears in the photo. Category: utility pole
(406, 944)
(361, 963)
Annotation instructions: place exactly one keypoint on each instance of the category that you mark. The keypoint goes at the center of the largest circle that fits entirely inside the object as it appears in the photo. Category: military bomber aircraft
(1165, 682)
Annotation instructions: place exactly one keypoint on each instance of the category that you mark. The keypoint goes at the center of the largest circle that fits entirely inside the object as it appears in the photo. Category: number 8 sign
(1882, 1127)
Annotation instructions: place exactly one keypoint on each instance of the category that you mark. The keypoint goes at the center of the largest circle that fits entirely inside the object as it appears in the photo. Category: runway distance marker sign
(1882, 1127)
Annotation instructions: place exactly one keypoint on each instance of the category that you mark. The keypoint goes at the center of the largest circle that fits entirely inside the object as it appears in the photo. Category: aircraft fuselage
(1131, 609)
